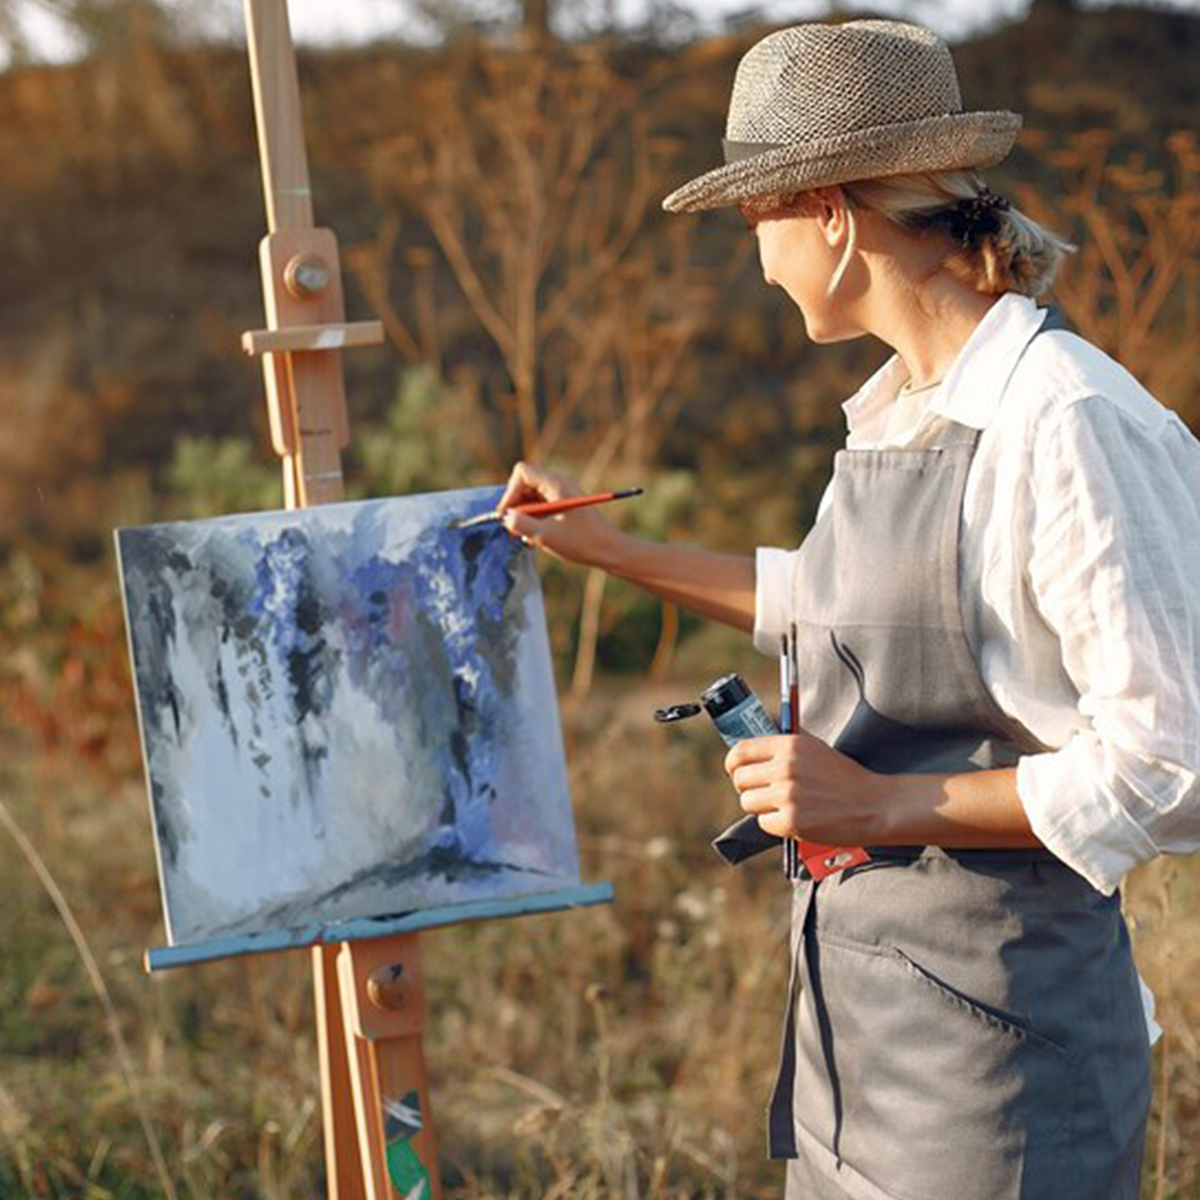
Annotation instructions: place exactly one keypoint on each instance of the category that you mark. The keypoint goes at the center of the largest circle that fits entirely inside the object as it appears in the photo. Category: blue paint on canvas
(346, 712)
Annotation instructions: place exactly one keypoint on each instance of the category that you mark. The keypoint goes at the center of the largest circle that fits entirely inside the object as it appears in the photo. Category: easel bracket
(383, 1010)
(312, 337)
(306, 329)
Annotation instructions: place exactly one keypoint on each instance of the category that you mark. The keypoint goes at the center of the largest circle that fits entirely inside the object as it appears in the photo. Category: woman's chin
(825, 332)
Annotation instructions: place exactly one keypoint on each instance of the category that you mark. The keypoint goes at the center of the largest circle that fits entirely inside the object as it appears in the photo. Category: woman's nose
(762, 260)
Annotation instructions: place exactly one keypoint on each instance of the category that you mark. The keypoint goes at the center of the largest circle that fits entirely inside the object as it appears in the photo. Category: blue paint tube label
(747, 719)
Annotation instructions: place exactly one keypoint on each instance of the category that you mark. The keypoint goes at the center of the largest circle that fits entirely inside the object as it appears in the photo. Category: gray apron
(962, 1025)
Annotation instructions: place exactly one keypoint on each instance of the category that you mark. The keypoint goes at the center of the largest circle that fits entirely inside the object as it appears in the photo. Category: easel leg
(343, 1164)
(291, 488)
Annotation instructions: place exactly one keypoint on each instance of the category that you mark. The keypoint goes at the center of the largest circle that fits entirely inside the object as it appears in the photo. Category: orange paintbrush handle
(547, 508)
(544, 508)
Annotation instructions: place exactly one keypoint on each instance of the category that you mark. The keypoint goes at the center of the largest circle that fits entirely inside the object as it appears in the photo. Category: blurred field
(622, 1052)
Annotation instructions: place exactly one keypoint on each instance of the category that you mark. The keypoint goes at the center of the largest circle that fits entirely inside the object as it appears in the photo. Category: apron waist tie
(781, 1126)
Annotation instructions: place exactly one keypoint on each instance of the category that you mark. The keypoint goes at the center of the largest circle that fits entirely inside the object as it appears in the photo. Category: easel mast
(370, 1000)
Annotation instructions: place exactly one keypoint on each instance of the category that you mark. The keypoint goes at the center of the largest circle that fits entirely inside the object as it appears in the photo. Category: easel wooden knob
(307, 276)
(390, 988)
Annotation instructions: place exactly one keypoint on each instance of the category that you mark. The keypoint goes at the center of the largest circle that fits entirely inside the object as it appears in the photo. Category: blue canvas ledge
(163, 958)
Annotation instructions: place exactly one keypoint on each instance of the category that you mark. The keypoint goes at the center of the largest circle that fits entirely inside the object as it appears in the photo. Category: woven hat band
(737, 151)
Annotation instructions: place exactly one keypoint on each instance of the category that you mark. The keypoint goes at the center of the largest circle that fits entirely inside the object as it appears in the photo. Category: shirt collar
(971, 392)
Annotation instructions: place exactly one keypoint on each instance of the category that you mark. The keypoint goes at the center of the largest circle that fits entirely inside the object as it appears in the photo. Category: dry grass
(625, 1051)
(1162, 902)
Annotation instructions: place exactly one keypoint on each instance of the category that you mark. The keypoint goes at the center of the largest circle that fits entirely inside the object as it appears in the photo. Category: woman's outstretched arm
(717, 586)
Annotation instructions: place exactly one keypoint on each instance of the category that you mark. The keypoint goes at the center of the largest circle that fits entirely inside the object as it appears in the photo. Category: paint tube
(733, 706)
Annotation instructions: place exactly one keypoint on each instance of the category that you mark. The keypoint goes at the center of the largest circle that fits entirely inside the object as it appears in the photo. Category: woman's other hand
(797, 786)
(582, 535)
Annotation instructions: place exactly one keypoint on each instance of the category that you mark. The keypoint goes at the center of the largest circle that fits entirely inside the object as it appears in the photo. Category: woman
(1000, 649)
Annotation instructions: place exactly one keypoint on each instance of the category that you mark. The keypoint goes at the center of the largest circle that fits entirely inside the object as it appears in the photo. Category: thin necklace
(905, 390)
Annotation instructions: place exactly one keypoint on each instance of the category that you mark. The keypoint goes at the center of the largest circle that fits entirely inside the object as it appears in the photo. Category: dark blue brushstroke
(389, 599)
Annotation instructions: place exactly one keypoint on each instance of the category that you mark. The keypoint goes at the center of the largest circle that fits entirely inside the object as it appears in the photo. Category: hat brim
(952, 141)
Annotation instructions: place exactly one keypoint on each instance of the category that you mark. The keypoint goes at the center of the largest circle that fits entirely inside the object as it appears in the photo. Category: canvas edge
(304, 513)
(145, 747)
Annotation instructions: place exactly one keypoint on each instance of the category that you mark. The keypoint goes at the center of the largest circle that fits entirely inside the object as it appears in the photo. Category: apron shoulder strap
(1055, 319)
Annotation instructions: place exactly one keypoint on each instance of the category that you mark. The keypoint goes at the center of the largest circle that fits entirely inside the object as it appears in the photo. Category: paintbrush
(787, 718)
(545, 508)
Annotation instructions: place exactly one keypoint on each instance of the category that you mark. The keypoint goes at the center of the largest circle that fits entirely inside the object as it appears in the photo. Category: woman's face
(799, 252)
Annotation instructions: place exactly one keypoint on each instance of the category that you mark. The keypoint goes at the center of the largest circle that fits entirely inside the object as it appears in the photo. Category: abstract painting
(346, 711)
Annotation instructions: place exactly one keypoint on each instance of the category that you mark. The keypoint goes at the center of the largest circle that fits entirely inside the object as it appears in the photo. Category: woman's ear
(832, 213)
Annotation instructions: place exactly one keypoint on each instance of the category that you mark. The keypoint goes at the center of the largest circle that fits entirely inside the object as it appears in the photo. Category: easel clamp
(312, 337)
(302, 290)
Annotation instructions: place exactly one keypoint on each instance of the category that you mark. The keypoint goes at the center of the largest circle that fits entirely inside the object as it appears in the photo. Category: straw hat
(815, 105)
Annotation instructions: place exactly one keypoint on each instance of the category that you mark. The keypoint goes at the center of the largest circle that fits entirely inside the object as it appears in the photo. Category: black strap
(742, 840)
(1055, 319)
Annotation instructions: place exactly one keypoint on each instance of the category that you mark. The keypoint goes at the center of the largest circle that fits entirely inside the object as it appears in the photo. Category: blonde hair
(1010, 252)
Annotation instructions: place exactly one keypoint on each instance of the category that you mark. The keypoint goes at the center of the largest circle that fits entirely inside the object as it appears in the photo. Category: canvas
(346, 711)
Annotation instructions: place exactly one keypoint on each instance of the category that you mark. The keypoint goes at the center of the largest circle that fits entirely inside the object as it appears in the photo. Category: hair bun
(976, 217)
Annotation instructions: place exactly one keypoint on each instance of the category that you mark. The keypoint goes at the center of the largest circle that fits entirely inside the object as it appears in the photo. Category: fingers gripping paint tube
(738, 713)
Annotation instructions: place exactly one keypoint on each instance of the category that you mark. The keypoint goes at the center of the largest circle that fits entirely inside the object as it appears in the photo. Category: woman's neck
(907, 299)
(927, 322)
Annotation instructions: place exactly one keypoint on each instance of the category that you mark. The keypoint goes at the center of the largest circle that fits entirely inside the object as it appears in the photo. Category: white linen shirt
(1080, 550)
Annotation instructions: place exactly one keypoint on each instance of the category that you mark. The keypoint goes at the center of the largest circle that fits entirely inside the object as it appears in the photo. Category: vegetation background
(496, 197)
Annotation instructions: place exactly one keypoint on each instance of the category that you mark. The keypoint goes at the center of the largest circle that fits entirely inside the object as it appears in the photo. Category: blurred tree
(1134, 287)
(210, 476)
(535, 175)
(14, 42)
(433, 437)
(100, 25)
(1055, 8)
(450, 19)
(538, 174)
(103, 23)
(96, 23)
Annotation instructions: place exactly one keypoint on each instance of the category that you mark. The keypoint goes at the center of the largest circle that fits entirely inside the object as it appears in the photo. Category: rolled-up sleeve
(1114, 571)
(772, 596)
(774, 589)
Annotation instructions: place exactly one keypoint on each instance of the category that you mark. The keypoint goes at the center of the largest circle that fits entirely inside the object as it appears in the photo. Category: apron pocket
(991, 1017)
(926, 1092)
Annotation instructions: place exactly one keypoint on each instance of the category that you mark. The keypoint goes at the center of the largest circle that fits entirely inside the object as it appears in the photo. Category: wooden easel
(370, 1001)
